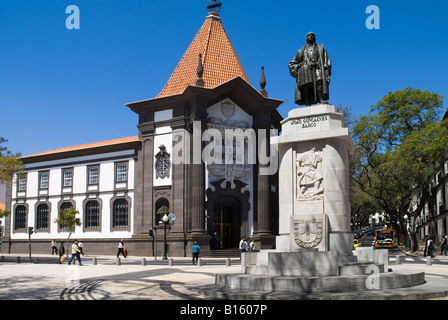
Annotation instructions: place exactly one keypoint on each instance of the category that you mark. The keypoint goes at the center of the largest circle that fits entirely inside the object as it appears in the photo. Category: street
(415, 258)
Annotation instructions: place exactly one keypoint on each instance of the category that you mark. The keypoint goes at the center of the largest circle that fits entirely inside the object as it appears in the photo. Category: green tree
(397, 148)
(9, 165)
(68, 221)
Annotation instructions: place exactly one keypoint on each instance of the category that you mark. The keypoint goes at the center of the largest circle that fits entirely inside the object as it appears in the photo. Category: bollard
(36, 260)
(429, 260)
(170, 261)
(143, 262)
(18, 259)
(118, 262)
(398, 259)
(227, 262)
(199, 261)
(94, 261)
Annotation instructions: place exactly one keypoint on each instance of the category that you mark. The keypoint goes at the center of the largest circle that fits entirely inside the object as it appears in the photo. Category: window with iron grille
(42, 216)
(92, 215)
(120, 213)
(20, 218)
(64, 206)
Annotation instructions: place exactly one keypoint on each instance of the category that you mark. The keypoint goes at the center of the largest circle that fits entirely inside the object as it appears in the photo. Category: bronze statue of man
(311, 67)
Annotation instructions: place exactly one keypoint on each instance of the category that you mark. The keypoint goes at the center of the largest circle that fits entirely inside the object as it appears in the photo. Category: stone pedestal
(314, 181)
(314, 249)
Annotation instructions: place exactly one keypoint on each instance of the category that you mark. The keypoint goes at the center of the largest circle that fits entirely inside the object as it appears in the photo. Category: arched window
(20, 218)
(92, 215)
(42, 215)
(162, 208)
(120, 213)
(64, 206)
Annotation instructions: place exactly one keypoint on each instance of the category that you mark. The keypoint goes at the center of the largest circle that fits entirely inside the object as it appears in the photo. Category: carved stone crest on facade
(309, 230)
(227, 109)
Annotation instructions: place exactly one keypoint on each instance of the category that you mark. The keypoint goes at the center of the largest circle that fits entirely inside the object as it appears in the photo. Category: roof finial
(200, 72)
(263, 83)
(213, 7)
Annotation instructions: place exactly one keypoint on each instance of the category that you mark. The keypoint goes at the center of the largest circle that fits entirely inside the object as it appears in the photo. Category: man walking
(75, 253)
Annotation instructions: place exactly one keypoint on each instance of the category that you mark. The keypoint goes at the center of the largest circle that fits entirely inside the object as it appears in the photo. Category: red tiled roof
(219, 60)
(86, 146)
(2, 206)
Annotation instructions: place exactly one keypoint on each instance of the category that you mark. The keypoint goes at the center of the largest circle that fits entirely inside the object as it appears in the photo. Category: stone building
(433, 219)
(196, 158)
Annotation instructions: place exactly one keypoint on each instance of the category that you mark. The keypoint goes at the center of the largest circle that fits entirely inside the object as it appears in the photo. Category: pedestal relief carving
(309, 176)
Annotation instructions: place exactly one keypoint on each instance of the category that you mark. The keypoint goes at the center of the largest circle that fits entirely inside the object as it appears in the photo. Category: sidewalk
(131, 280)
(158, 280)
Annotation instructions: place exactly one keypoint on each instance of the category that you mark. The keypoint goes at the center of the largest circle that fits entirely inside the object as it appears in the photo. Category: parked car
(357, 234)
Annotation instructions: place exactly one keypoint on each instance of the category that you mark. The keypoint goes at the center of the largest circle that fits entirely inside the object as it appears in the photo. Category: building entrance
(226, 221)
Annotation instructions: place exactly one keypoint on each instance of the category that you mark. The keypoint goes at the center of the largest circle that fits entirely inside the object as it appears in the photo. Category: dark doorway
(226, 221)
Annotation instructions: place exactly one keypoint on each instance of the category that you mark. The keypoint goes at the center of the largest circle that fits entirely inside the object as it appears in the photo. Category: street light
(408, 238)
(165, 220)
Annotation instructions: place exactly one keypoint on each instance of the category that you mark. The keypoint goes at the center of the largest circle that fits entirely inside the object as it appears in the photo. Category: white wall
(79, 194)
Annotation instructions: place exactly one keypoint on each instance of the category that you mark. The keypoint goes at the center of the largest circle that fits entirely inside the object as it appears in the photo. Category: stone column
(198, 170)
(262, 227)
(144, 210)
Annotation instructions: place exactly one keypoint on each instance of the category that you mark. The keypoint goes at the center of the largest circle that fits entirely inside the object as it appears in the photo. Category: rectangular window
(93, 176)
(68, 178)
(43, 180)
(22, 184)
(121, 173)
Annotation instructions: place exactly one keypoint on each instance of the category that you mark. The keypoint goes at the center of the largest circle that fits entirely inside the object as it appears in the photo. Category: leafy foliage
(67, 220)
(397, 148)
(9, 163)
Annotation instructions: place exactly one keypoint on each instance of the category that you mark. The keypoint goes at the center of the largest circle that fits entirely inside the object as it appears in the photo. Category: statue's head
(310, 38)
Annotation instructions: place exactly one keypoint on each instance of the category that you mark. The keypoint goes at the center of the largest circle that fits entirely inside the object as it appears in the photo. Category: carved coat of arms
(308, 231)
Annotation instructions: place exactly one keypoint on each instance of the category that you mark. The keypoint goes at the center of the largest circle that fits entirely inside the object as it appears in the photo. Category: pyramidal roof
(219, 60)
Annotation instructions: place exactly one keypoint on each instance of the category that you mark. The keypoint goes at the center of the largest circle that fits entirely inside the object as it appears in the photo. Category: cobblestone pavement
(156, 280)
(107, 281)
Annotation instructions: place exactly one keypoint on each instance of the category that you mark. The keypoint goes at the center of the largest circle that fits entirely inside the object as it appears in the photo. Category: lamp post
(408, 238)
(165, 220)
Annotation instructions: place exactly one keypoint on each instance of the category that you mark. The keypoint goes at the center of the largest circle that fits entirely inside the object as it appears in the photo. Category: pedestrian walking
(121, 249)
(61, 253)
(75, 253)
(196, 249)
(430, 246)
(243, 246)
(54, 247)
(81, 247)
(443, 245)
(425, 249)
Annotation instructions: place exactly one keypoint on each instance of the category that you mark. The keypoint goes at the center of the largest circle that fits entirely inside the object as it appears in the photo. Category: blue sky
(61, 87)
